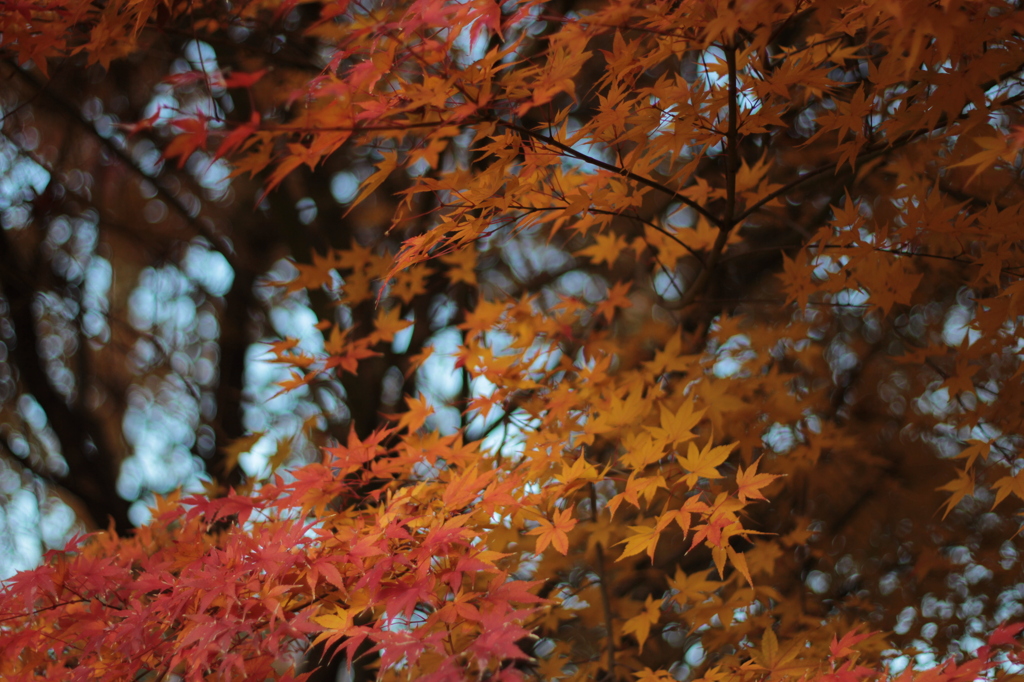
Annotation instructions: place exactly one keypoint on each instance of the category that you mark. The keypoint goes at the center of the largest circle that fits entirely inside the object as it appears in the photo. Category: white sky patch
(590, 149)
(732, 355)
(209, 268)
(711, 70)
(344, 187)
(21, 179)
(957, 327)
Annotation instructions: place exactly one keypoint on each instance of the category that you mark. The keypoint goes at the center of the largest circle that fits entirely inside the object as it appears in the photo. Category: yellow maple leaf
(605, 249)
(640, 625)
(554, 532)
(960, 488)
(676, 427)
(386, 166)
(644, 538)
(749, 482)
(237, 447)
(389, 323)
(579, 470)
(1006, 485)
(410, 283)
(703, 463)
(416, 415)
(648, 675)
(461, 266)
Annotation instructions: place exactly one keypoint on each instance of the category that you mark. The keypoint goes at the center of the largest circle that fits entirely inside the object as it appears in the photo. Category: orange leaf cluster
(866, 152)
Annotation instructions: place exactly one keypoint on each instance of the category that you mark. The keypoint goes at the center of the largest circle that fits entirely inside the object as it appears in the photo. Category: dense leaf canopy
(674, 340)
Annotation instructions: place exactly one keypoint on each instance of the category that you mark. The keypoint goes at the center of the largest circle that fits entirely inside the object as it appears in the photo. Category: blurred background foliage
(137, 295)
(134, 293)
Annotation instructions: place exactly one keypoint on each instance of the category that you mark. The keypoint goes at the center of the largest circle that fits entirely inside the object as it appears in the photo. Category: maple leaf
(648, 675)
(416, 416)
(749, 482)
(960, 380)
(975, 448)
(579, 470)
(796, 279)
(637, 487)
(554, 532)
(238, 138)
(552, 667)
(641, 451)
(738, 560)
(962, 487)
(644, 538)
(607, 248)
(193, 136)
(485, 317)
(841, 648)
(461, 266)
(640, 625)
(1005, 634)
(340, 621)
(386, 166)
(238, 79)
(692, 588)
(502, 589)
(409, 283)
(617, 299)
(775, 660)
(464, 488)
(389, 323)
(704, 463)
(671, 358)
(677, 427)
(992, 149)
(1004, 487)
(237, 447)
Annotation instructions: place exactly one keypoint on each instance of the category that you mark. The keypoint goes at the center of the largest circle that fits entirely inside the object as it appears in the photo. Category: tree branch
(618, 170)
(217, 241)
(732, 165)
(93, 465)
(869, 153)
(606, 597)
(732, 152)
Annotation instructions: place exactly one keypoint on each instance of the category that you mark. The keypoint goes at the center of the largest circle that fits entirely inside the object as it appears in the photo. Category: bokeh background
(138, 297)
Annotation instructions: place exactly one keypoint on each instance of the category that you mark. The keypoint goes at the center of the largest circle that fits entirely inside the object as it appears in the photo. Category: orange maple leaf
(416, 415)
(606, 249)
(704, 463)
(644, 538)
(749, 482)
(617, 298)
(389, 323)
(554, 532)
(640, 625)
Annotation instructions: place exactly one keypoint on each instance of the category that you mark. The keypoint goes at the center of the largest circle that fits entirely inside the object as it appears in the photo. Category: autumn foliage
(753, 412)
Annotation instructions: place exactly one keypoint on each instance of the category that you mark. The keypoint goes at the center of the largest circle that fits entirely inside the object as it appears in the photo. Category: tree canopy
(674, 340)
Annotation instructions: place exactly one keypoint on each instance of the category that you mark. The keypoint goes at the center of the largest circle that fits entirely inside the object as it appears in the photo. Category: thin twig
(654, 226)
(618, 170)
(732, 152)
(217, 241)
(871, 152)
(732, 165)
